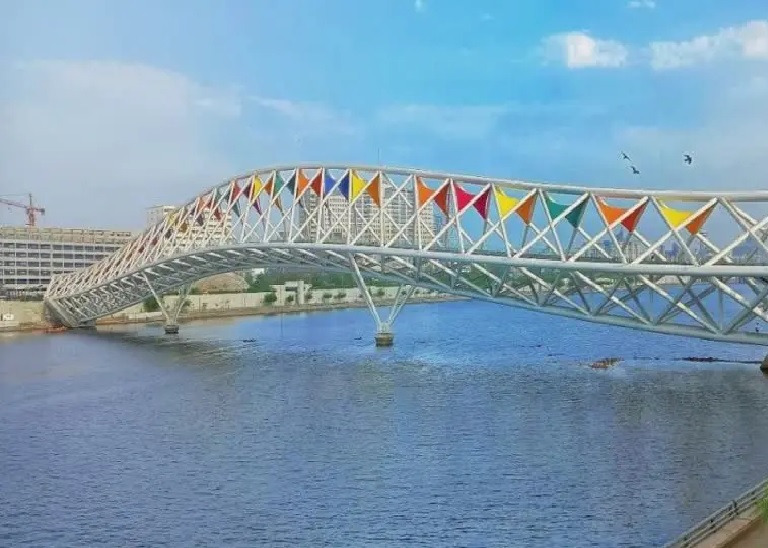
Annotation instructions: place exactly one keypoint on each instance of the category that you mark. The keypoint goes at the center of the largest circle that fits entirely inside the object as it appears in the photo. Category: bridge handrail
(718, 519)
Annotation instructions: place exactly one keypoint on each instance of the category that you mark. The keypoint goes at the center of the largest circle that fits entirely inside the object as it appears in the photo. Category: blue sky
(107, 108)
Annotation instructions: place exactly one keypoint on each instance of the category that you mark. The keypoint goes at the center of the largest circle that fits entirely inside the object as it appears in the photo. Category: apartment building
(213, 226)
(30, 256)
(337, 217)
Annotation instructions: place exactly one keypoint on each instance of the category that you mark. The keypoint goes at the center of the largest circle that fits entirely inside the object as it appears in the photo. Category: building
(158, 213)
(386, 224)
(214, 226)
(748, 252)
(30, 256)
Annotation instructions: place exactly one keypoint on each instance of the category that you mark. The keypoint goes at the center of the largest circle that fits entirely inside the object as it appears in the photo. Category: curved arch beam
(599, 255)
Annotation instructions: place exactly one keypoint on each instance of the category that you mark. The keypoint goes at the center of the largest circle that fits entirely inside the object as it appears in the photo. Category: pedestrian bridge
(676, 262)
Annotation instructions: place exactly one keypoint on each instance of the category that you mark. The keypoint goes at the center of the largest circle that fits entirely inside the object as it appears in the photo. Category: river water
(483, 426)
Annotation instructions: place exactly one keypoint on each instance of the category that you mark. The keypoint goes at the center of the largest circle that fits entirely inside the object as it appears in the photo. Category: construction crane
(31, 209)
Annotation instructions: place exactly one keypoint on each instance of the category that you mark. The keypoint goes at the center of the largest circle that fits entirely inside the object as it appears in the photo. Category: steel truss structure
(676, 262)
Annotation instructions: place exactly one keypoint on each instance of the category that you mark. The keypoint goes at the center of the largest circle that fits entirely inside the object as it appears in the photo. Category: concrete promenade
(746, 531)
(755, 537)
(738, 524)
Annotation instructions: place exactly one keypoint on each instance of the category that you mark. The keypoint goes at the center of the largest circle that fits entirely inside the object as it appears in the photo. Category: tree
(150, 304)
(380, 292)
(340, 295)
(270, 298)
(327, 296)
(289, 299)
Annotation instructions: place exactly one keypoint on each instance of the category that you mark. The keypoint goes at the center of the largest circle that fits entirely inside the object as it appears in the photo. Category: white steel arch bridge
(675, 262)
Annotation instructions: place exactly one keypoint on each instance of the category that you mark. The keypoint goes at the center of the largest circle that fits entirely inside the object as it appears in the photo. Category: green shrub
(270, 298)
(762, 506)
(150, 304)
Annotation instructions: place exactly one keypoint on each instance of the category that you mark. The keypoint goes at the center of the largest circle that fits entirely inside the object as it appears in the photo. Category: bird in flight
(635, 171)
(625, 157)
(688, 159)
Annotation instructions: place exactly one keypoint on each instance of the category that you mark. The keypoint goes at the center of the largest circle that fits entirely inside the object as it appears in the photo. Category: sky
(108, 108)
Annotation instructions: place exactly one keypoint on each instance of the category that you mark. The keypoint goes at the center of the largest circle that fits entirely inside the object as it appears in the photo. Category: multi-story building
(386, 224)
(748, 251)
(158, 213)
(214, 226)
(30, 256)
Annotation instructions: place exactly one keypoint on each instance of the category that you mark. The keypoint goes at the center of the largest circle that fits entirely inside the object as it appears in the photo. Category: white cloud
(728, 141)
(307, 118)
(98, 142)
(749, 41)
(641, 4)
(447, 122)
(480, 122)
(578, 50)
(420, 6)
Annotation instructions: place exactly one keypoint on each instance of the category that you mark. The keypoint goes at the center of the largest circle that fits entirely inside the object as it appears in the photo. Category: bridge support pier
(384, 336)
(171, 314)
(764, 365)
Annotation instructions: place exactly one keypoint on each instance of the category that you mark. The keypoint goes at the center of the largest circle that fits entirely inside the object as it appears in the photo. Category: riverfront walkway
(742, 532)
(756, 538)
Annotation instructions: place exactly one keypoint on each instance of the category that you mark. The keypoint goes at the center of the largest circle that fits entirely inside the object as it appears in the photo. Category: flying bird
(625, 157)
(635, 171)
(688, 159)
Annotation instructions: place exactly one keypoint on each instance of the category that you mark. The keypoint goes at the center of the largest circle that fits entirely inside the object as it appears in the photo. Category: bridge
(675, 262)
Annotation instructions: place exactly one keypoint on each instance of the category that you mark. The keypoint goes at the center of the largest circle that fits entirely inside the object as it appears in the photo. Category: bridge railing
(718, 519)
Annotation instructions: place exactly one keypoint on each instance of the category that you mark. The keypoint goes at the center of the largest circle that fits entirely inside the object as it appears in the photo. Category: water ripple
(479, 428)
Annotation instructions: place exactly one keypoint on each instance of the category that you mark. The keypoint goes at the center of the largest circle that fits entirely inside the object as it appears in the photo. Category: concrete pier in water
(384, 339)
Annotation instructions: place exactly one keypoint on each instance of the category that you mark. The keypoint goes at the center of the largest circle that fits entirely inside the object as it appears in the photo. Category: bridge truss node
(675, 262)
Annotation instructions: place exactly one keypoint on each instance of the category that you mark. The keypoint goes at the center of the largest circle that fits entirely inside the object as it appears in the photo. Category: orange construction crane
(31, 209)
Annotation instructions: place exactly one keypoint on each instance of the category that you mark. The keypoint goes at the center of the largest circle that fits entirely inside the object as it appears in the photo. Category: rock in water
(605, 363)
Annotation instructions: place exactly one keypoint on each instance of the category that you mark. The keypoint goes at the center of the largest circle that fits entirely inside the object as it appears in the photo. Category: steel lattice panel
(689, 263)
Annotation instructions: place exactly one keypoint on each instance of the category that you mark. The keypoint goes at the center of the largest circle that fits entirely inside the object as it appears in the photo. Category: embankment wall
(30, 315)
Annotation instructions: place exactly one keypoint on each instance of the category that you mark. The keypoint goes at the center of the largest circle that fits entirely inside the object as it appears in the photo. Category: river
(483, 426)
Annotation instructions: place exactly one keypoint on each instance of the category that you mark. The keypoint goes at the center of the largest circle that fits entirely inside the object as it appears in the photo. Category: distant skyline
(109, 108)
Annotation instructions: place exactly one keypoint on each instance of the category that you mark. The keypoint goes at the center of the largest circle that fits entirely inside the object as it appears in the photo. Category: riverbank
(193, 314)
(739, 524)
(264, 310)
